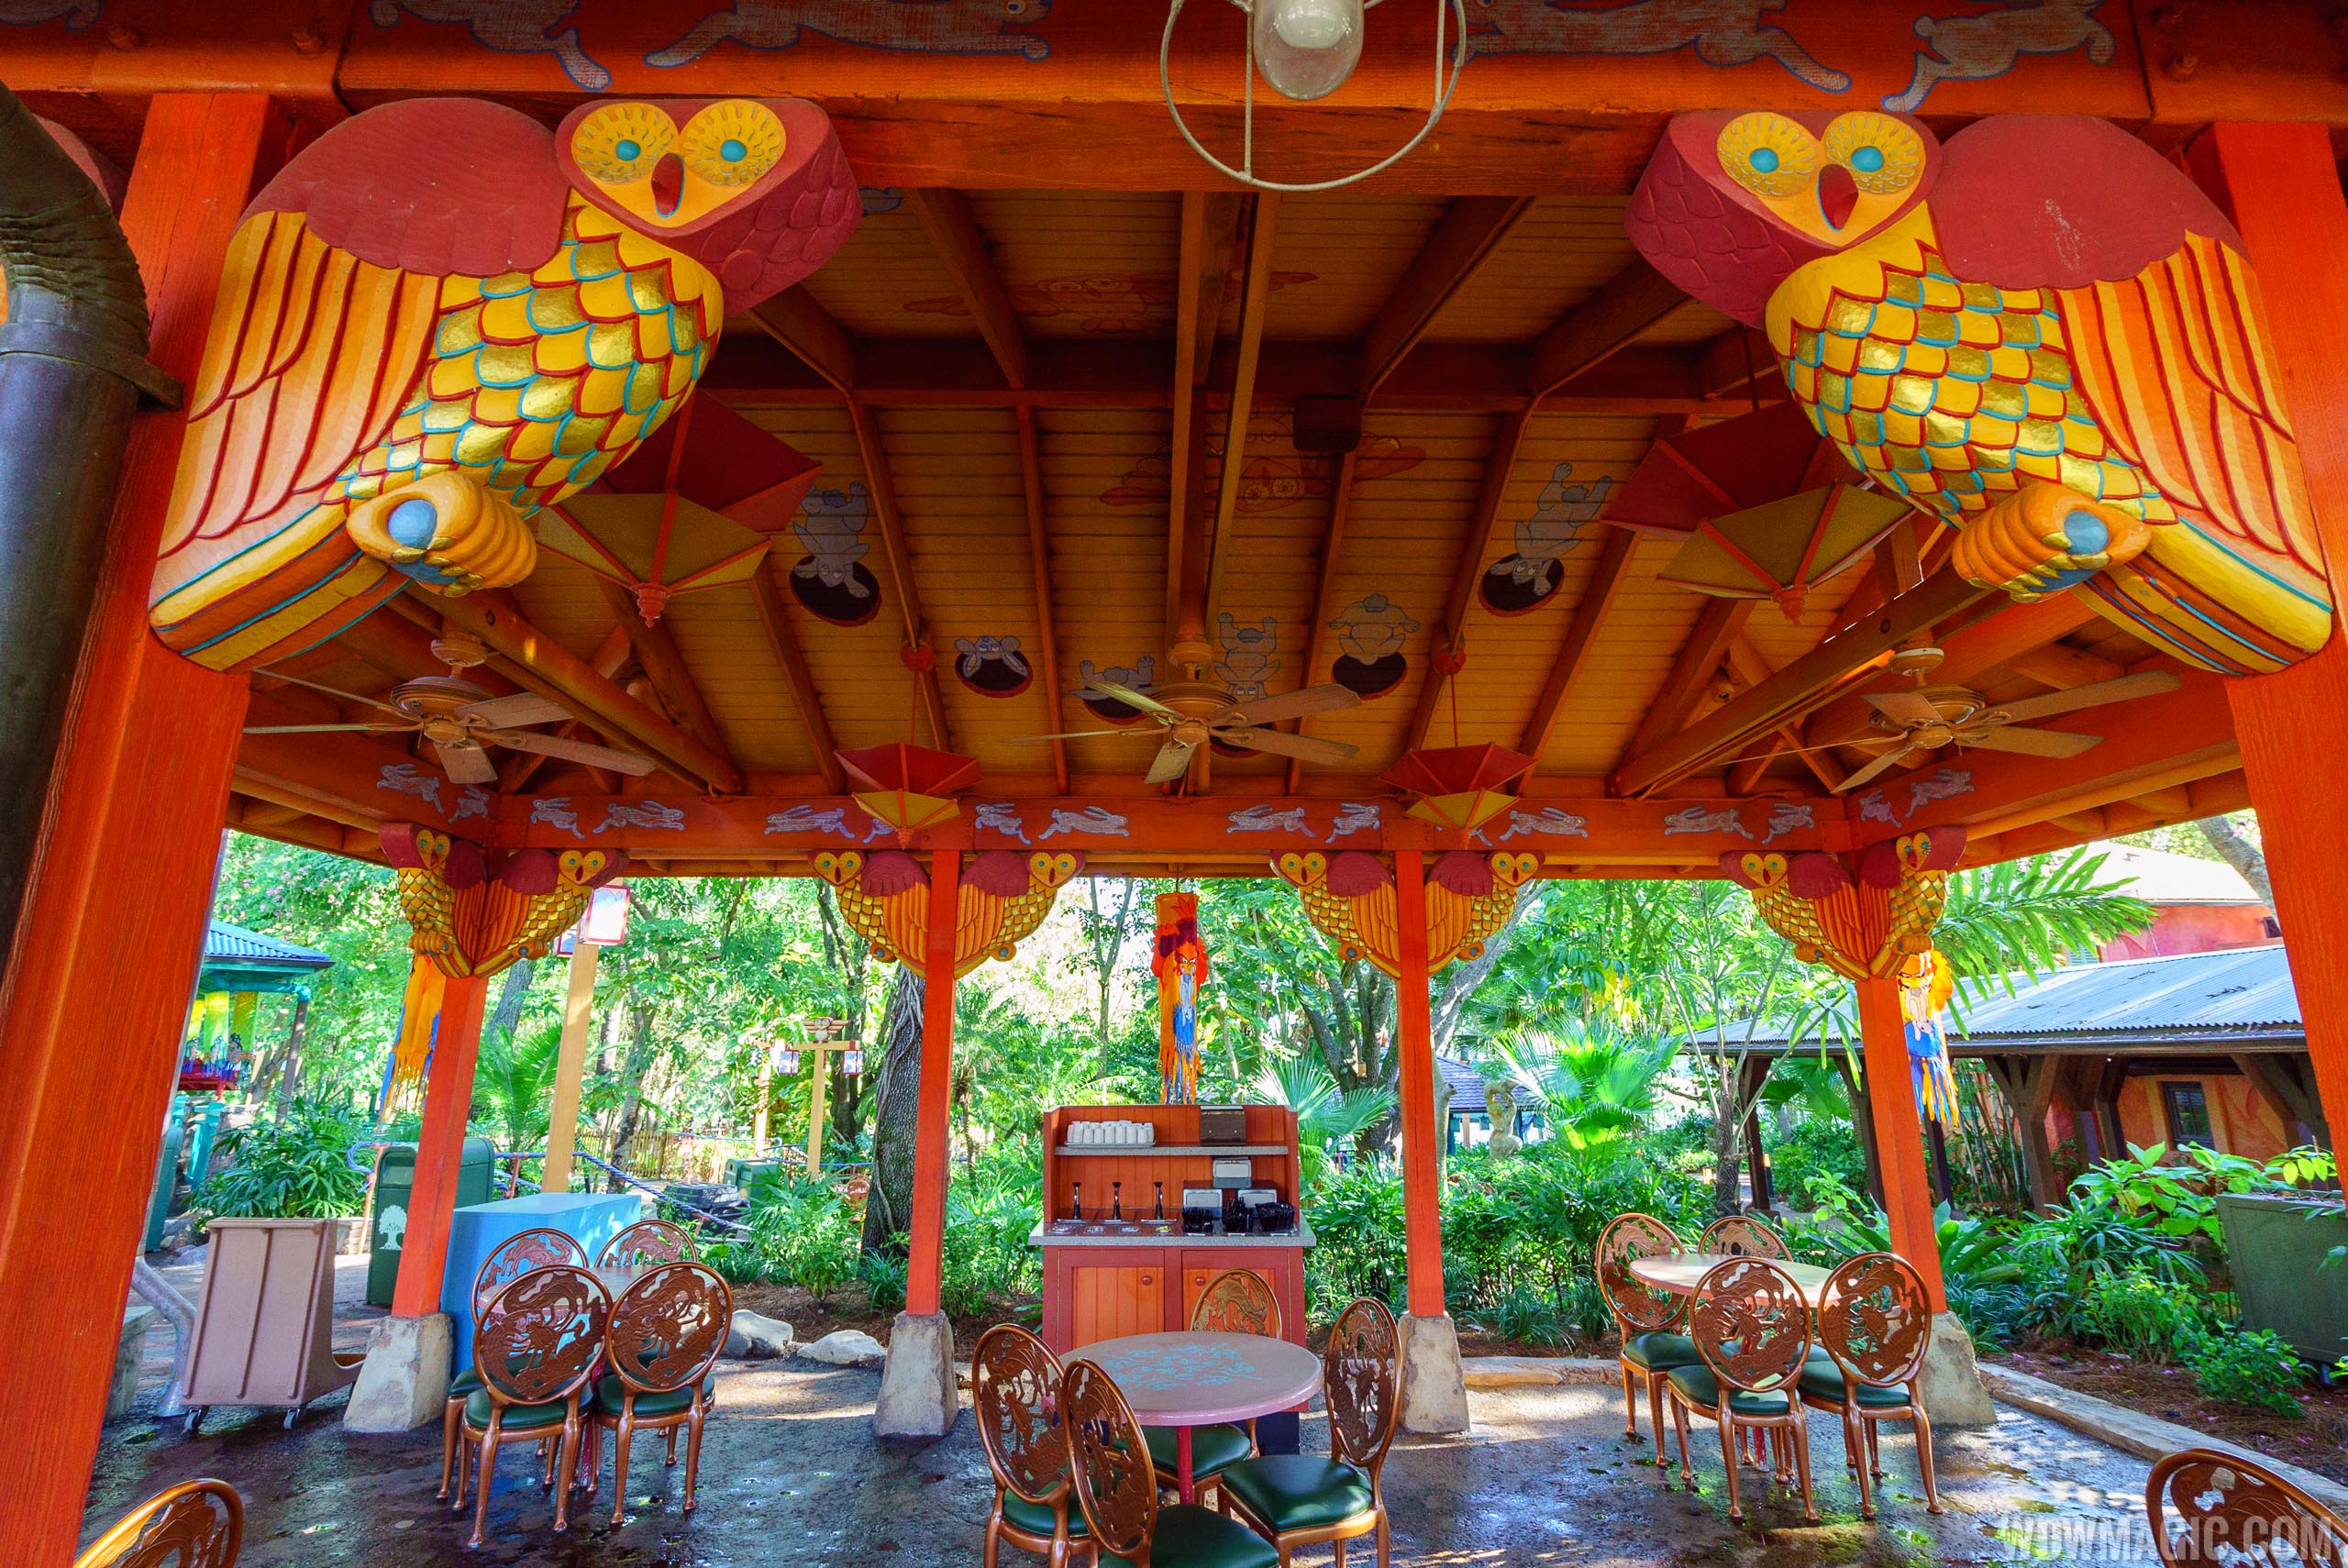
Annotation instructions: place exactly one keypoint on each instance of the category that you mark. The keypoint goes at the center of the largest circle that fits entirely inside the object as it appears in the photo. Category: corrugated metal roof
(2244, 987)
(1466, 1085)
(226, 943)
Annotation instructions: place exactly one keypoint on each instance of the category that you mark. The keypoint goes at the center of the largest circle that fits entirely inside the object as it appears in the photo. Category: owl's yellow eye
(1883, 155)
(733, 142)
(619, 143)
(1768, 154)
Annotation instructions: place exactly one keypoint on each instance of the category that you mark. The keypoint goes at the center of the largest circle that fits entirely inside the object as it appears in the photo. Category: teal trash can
(203, 1132)
(167, 1177)
(741, 1173)
(395, 1180)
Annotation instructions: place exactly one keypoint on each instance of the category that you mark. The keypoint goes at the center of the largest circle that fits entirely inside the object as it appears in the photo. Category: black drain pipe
(72, 367)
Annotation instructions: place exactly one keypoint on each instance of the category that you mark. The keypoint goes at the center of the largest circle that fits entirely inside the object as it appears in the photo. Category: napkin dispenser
(1222, 1124)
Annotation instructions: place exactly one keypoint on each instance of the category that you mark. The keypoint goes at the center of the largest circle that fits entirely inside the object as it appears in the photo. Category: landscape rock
(847, 1347)
(752, 1337)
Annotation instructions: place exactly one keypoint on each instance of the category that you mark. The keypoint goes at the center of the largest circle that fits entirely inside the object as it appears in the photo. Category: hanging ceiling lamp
(1305, 50)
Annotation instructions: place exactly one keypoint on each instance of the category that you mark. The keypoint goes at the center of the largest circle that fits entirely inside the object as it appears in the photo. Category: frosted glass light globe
(1306, 49)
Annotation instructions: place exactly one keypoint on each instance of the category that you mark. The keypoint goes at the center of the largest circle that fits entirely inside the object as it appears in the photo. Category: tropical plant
(2176, 1195)
(2246, 1366)
(2018, 919)
(1327, 1117)
(513, 1081)
(2143, 1317)
(1591, 1088)
(297, 1166)
(1819, 1156)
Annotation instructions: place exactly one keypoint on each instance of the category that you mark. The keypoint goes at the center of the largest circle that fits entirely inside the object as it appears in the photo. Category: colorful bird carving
(2042, 332)
(439, 318)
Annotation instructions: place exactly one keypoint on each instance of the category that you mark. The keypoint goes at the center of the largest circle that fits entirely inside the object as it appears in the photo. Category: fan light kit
(1190, 713)
(1305, 50)
(1931, 717)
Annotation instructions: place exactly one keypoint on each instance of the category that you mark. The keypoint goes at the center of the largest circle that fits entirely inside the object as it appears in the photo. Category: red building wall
(2194, 928)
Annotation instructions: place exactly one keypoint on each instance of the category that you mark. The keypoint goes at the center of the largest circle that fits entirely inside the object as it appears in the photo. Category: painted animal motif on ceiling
(1247, 655)
(1141, 676)
(1273, 481)
(2042, 332)
(1371, 633)
(1530, 576)
(921, 27)
(1108, 304)
(509, 27)
(991, 666)
(1720, 32)
(1967, 48)
(832, 580)
(439, 318)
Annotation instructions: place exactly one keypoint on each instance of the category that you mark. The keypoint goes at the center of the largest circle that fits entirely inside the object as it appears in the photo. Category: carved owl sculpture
(439, 318)
(2042, 332)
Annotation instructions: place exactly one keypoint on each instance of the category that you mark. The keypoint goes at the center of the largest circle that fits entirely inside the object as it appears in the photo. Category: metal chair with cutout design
(1652, 1322)
(1875, 1325)
(2229, 1511)
(1116, 1487)
(1297, 1501)
(536, 1346)
(1751, 1324)
(1014, 1391)
(539, 1247)
(1236, 1301)
(197, 1524)
(647, 1245)
(668, 1329)
(1745, 1236)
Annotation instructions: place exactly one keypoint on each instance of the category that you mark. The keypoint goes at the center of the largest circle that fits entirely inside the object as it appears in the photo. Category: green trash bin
(167, 1177)
(395, 1179)
(740, 1173)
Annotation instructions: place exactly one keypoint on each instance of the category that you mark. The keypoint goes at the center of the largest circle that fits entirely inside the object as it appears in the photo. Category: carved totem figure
(439, 318)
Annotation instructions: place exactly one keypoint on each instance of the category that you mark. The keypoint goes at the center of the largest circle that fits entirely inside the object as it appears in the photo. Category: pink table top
(1196, 1380)
(1681, 1273)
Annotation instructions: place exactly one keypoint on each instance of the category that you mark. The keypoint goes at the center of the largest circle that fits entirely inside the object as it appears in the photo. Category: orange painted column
(439, 1149)
(97, 981)
(2284, 188)
(1899, 1133)
(935, 1108)
(1421, 1140)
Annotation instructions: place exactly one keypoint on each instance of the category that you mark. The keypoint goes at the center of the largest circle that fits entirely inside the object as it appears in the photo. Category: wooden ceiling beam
(1209, 231)
(1452, 634)
(794, 320)
(897, 559)
(1990, 643)
(1598, 596)
(1807, 682)
(1616, 313)
(305, 800)
(2063, 667)
(610, 656)
(1470, 231)
(1739, 365)
(1718, 624)
(953, 229)
(783, 637)
(1255, 290)
(655, 646)
(1751, 668)
(246, 814)
(1324, 591)
(498, 621)
(1039, 571)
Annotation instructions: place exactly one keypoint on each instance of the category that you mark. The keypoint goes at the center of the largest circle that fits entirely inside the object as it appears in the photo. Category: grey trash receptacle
(395, 1179)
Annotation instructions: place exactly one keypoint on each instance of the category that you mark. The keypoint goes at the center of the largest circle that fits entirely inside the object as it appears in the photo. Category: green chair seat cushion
(1212, 1449)
(517, 1418)
(1702, 1389)
(1035, 1518)
(1294, 1491)
(1661, 1352)
(464, 1383)
(610, 1391)
(1825, 1381)
(1189, 1536)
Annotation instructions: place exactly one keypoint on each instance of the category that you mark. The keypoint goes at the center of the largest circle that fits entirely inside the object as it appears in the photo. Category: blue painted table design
(590, 1218)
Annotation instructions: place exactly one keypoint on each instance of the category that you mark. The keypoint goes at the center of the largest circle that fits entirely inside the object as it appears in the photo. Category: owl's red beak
(669, 183)
(1837, 194)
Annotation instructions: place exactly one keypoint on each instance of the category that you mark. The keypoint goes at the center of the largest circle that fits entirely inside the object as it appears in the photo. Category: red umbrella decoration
(692, 509)
(909, 786)
(1767, 507)
(1460, 787)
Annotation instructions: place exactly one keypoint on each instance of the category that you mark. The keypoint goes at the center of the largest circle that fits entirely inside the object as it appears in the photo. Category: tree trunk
(289, 1075)
(2225, 834)
(896, 1095)
(639, 1056)
(507, 1014)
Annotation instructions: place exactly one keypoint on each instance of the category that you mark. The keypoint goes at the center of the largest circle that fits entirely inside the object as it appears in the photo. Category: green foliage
(2021, 918)
(1818, 1156)
(1327, 1116)
(1356, 1218)
(991, 1209)
(1591, 1087)
(2180, 1199)
(2143, 1317)
(295, 1165)
(801, 1233)
(2248, 1366)
(513, 1082)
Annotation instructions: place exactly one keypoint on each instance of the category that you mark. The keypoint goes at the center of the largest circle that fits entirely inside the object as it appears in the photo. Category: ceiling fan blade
(1080, 735)
(1904, 707)
(1172, 761)
(2036, 743)
(328, 729)
(465, 763)
(1884, 764)
(330, 690)
(1290, 705)
(573, 750)
(1308, 748)
(1128, 696)
(2093, 695)
(522, 708)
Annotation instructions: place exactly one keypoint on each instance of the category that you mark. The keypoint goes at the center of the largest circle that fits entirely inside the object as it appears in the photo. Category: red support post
(1422, 1141)
(1899, 1133)
(931, 1124)
(97, 981)
(439, 1149)
(2283, 185)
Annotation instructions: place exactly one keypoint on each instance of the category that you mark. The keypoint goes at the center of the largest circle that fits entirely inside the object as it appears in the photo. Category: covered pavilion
(1076, 407)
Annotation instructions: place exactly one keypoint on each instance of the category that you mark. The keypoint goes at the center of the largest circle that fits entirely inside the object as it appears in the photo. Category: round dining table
(1186, 1380)
(1681, 1273)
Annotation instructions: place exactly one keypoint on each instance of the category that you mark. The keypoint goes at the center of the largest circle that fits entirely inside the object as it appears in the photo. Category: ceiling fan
(1931, 717)
(461, 719)
(1188, 713)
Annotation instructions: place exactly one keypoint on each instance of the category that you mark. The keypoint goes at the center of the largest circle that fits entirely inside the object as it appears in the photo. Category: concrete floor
(792, 1474)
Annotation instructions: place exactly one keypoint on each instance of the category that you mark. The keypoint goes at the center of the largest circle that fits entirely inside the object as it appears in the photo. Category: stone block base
(130, 1350)
(1434, 1387)
(918, 1396)
(1950, 1385)
(405, 1380)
